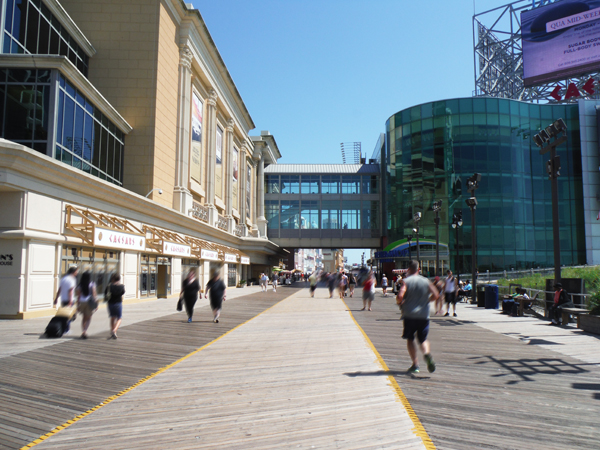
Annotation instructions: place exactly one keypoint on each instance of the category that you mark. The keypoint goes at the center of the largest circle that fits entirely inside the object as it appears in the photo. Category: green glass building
(431, 150)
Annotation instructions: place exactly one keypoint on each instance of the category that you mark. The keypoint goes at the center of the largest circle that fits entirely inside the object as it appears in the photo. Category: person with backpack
(87, 304)
(113, 295)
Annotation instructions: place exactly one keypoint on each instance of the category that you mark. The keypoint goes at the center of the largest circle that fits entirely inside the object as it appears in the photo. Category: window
(351, 215)
(290, 214)
(351, 184)
(309, 184)
(290, 184)
(370, 183)
(309, 215)
(272, 213)
(330, 215)
(330, 184)
(272, 182)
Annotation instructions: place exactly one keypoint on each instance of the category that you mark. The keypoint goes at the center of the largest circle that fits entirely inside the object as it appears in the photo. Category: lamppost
(456, 224)
(472, 185)
(416, 220)
(437, 206)
(408, 239)
(558, 132)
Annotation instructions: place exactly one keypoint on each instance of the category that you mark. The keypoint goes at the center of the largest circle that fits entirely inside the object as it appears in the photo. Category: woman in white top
(384, 285)
(86, 301)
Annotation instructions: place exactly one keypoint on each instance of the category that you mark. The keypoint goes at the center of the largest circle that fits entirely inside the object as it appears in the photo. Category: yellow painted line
(140, 382)
(419, 429)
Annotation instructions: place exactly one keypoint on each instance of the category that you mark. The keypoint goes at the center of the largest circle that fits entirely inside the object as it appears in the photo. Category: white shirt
(67, 283)
(450, 285)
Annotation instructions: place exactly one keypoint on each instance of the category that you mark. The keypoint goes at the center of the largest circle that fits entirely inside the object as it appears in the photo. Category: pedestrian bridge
(323, 205)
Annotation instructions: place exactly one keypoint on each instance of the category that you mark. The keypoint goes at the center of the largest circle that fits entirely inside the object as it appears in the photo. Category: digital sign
(560, 40)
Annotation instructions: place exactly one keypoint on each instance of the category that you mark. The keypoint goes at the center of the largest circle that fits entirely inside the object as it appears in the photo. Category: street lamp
(456, 224)
(558, 132)
(408, 239)
(437, 206)
(472, 185)
(416, 220)
(155, 189)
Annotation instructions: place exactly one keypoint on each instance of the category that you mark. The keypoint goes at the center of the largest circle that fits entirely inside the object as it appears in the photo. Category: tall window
(330, 184)
(309, 214)
(272, 182)
(351, 215)
(309, 184)
(290, 214)
(272, 213)
(30, 27)
(25, 106)
(330, 215)
(369, 184)
(85, 138)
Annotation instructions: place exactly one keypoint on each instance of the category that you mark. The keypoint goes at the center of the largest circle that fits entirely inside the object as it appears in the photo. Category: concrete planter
(589, 323)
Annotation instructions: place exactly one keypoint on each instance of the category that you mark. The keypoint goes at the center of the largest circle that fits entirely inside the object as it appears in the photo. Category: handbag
(180, 304)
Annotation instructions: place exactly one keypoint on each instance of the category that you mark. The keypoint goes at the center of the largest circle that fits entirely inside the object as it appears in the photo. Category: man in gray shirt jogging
(414, 297)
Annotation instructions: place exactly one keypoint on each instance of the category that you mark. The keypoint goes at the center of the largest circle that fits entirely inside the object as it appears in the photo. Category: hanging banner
(219, 165)
(196, 146)
(230, 258)
(234, 193)
(209, 254)
(248, 186)
(174, 249)
(107, 238)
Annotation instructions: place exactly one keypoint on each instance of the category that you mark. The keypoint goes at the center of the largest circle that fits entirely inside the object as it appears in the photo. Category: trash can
(491, 296)
(480, 296)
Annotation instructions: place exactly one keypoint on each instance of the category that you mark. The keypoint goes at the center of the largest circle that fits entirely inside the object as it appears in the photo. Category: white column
(182, 198)
(229, 178)
(260, 200)
(211, 145)
(253, 193)
(243, 175)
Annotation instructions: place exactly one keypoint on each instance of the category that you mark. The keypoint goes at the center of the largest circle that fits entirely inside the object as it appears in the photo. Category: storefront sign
(6, 260)
(103, 237)
(209, 254)
(230, 258)
(171, 248)
(245, 260)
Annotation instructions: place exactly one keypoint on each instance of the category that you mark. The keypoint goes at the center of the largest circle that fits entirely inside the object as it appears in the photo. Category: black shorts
(419, 326)
(312, 288)
(450, 297)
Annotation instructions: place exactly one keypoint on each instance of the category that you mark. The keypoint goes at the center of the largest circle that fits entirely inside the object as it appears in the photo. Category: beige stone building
(126, 148)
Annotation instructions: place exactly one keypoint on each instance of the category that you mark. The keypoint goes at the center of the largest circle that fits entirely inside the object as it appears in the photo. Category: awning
(167, 242)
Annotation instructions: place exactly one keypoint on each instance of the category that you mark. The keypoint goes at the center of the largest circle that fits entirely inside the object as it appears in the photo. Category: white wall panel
(43, 213)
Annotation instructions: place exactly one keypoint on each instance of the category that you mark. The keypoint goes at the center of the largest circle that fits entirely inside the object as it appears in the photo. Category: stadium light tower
(547, 140)
(456, 224)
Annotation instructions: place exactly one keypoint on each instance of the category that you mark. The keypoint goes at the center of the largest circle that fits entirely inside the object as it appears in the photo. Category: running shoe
(413, 369)
(189, 320)
(430, 363)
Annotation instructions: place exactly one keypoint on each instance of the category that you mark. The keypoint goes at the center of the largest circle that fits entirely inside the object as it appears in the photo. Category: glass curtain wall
(433, 148)
(30, 28)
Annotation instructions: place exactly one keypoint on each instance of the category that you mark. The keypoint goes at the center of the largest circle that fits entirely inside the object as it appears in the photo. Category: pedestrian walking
(343, 283)
(439, 285)
(263, 282)
(450, 291)
(274, 281)
(189, 293)
(113, 295)
(368, 291)
(216, 293)
(331, 281)
(414, 297)
(313, 283)
(351, 283)
(66, 293)
(86, 301)
(384, 285)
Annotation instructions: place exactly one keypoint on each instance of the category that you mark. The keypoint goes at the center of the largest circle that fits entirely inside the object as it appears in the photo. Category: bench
(566, 312)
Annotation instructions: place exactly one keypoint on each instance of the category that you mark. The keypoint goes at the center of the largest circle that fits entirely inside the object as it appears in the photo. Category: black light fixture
(408, 239)
(456, 224)
(437, 206)
(416, 220)
(472, 185)
(547, 140)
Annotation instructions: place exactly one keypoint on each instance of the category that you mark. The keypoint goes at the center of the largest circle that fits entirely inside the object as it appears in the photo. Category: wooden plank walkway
(281, 381)
(43, 388)
(491, 391)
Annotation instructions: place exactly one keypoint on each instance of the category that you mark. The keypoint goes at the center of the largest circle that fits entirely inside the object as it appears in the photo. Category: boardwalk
(287, 371)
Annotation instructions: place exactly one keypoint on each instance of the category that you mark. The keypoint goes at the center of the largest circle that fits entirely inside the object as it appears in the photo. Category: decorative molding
(186, 57)
(230, 125)
(212, 98)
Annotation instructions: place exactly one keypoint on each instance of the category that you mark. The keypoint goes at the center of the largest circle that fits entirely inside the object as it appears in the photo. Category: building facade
(431, 150)
(125, 148)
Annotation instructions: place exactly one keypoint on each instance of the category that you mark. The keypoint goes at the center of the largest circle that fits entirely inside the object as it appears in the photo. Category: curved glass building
(431, 150)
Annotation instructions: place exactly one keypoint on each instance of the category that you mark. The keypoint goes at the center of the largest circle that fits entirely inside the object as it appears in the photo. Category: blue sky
(316, 73)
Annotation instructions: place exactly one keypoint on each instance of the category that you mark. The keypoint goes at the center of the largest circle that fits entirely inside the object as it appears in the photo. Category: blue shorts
(115, 310)
(419, 326)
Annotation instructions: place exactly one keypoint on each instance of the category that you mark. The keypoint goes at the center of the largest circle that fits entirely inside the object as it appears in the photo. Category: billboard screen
(560, 40)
